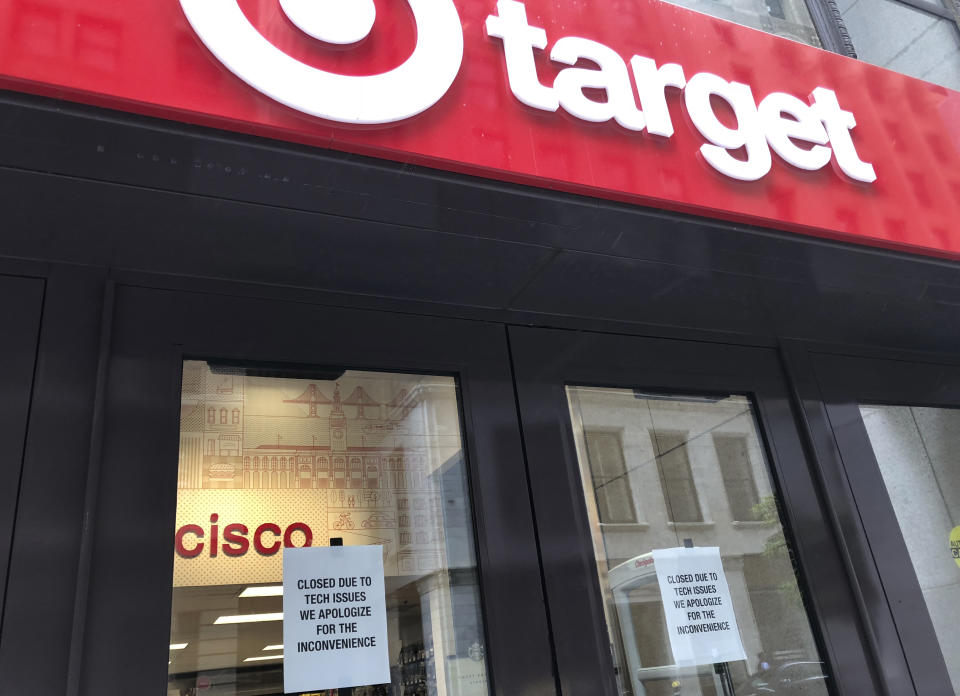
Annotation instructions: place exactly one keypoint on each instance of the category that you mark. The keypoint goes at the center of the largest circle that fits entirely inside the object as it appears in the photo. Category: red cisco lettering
(235, 542)
(213, 534)
(258, 539)
(307, 535)
(235, 538)
(194, 529)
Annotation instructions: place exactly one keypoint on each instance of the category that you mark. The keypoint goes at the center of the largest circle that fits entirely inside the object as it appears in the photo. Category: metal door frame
(131, 559)
(899, 617)
(545, 361)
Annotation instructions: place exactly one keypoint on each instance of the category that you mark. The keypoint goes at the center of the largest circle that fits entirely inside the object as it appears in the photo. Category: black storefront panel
(147, 358)
(433, 258)
(20, 318)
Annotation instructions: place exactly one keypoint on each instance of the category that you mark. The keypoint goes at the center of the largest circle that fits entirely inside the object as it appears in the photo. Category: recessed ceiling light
(249, 618)
(264, 657)
(263, 591)
(178, 646)
(274, 647)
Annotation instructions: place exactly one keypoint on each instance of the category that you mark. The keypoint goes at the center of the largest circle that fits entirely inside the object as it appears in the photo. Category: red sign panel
(636, 101)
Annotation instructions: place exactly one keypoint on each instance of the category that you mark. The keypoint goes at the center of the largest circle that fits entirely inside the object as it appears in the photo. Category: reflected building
(663, 472)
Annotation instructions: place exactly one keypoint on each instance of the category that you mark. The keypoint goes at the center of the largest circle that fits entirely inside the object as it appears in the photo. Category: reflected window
(919, 38)
(775, 8)
(614, 498)
(733, 457)
(787, 18)
(668, 444)
(679, 489)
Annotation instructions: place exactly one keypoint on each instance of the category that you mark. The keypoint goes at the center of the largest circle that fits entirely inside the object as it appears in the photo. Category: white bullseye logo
(412, 87)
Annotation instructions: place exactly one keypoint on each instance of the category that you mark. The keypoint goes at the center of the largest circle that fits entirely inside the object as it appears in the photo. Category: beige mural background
(358, 458)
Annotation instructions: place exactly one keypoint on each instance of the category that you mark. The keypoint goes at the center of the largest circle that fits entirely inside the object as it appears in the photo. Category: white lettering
(839, 123)
(519, 40)
(652, 83)
(612, 77)
(804, 125)
(779, 122)
(748, 134)
(804, 135)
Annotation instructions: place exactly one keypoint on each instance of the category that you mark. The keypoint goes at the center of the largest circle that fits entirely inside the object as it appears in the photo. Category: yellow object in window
(955, 544)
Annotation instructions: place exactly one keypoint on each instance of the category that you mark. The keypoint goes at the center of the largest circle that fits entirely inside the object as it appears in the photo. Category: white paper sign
(697, 606)
(334, 618)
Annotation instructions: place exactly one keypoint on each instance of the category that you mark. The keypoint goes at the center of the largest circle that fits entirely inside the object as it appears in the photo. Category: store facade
(543, 299)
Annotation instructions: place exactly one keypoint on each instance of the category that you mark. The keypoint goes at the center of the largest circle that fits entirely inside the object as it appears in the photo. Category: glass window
(733, 457)
(612, 489)
(899, 37)
(673, 464)
(233, 522)
(787, 18)
(916, 449)
(696, 466)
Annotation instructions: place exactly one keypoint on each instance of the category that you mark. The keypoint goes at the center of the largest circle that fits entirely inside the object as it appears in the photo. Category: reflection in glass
(360, 457)
(908, 40)
(787, 18)
(691, 471)
(916, 451)
(606, 463)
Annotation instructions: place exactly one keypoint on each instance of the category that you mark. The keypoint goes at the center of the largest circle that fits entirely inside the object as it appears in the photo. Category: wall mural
(268, 461)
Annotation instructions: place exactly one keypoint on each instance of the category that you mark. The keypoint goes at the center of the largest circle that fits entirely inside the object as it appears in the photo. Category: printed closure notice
(697, 606)
(334, 618)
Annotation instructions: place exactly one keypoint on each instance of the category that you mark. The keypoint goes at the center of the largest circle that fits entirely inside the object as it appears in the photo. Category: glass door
(244, 434)
(271, 461)
(897, 429)
(683, 547)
